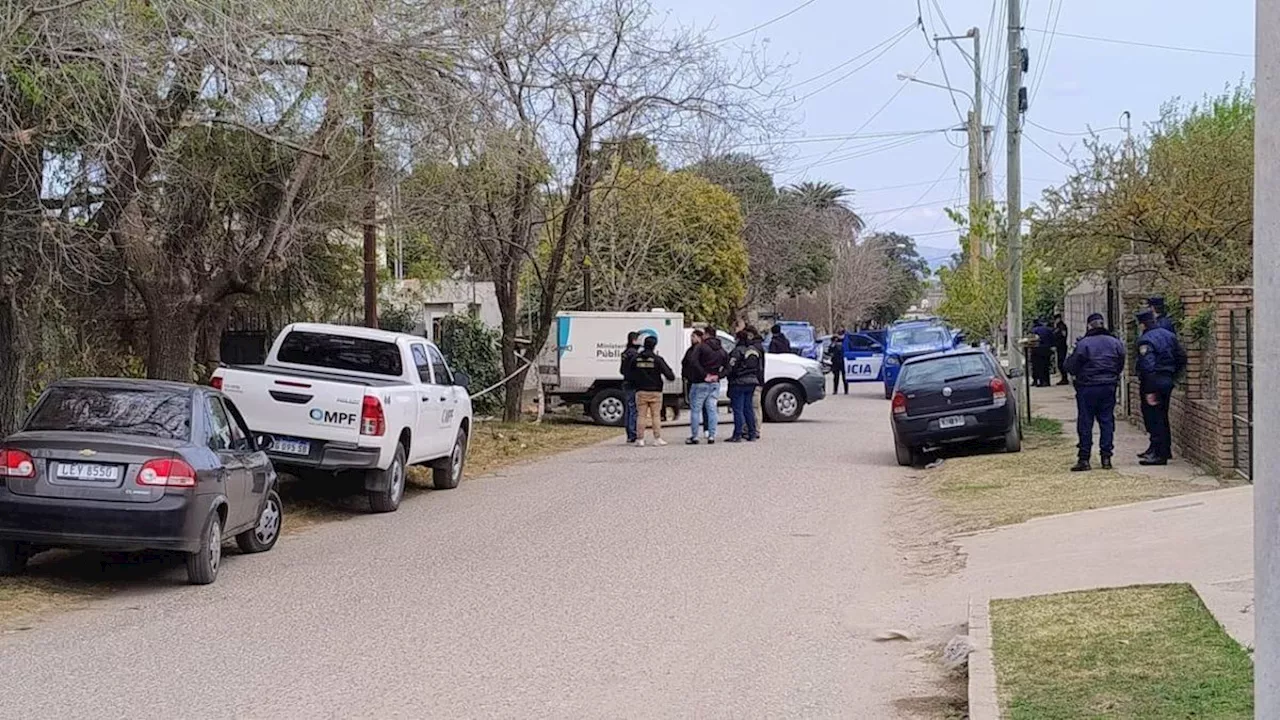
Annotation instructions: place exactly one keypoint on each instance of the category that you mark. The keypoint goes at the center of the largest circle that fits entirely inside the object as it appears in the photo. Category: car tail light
(16, 464)
(372, 420)
(998, 390)
(899, 404)
(167, 472)
(215, 382)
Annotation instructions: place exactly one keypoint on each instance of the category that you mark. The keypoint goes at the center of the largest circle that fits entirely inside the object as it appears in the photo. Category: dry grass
(24, 597)
(1138, 653)
(988, 490)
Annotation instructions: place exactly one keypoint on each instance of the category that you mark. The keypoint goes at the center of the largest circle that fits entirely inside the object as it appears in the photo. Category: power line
(1135, 43)
(1043, 60)
(853, 59)
(1086, 133)
(930, 203)
(766, 23)
(1041, 148)
(954, 159)
(845, 76)
(871, 119)
(890, 145)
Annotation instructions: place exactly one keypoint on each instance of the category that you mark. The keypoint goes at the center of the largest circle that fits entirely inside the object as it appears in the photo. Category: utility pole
(1013, 116)
(370, 214)
(1266, 379)
(979, 192)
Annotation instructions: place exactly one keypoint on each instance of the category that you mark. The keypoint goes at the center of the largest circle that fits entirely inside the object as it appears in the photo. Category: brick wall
(1203, 405)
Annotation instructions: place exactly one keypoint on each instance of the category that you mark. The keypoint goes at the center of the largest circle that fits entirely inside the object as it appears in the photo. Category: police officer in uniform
(1156, 303)
(1160, 360)
(1097, 364)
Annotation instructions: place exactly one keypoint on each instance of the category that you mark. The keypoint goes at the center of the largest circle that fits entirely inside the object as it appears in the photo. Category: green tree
(907, 274)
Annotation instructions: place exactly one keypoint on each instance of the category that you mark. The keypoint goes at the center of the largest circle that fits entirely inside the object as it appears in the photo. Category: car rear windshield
(937, 371)
(335, 352)
(908, 337)
(125, 411)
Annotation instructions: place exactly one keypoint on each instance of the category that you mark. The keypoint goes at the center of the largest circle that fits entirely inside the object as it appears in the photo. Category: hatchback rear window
(125, 411)
(944, 369)
(334, 352)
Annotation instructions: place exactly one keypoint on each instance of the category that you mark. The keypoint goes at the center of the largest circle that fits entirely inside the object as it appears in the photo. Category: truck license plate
(290, 446)
(954, 421)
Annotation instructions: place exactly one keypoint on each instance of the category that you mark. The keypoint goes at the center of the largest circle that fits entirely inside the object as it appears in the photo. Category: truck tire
(608, 407)
(448, 472)
(388, 499)
(783, 402)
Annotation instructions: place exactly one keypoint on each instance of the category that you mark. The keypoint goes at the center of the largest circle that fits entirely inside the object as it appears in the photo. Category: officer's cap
(1146, 316)
(1156, 301)
(1096, 317)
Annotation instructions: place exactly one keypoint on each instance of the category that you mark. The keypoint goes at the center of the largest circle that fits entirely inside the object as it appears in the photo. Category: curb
(984, 704)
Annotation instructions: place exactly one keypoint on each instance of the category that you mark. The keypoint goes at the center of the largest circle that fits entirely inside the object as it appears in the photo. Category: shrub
(472, 347)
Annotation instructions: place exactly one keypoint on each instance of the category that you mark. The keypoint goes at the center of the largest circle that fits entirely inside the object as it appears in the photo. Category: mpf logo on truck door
(329, 417)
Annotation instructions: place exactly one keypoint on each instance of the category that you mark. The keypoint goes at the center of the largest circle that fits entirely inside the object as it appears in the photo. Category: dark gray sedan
(124, 465)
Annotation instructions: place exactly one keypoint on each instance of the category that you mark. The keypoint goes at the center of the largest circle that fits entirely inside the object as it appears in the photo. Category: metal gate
(1242, 392)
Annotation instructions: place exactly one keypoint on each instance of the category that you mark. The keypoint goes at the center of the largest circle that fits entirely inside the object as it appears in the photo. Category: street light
(908, 77)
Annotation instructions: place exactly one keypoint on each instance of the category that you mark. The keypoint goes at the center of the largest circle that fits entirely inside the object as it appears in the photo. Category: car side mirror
(264, 442)
(877, 347)
(462, 380)
(1014, 373)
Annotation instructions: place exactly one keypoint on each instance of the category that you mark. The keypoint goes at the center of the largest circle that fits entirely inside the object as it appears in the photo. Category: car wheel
(262, 537)
(13, 558)
(1013, 438)
(906, 456)
(608, 407)
(388, 499)
(783, 403)
(448, 475)
(202, 565)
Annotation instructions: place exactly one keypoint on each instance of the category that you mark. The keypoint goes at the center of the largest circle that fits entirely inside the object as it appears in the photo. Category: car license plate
(954, 421)
(290, 446)
(88, 471)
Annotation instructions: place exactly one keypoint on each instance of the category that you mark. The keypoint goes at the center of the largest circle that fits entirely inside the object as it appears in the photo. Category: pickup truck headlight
(892, 360)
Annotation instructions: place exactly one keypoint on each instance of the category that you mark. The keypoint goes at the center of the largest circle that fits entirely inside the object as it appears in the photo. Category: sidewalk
(1202, 538)
(1205, 538)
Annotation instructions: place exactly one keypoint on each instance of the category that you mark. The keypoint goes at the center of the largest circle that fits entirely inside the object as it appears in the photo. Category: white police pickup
(336, 399)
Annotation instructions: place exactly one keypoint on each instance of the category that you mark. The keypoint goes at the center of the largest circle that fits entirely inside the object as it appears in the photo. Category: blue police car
(914, 338)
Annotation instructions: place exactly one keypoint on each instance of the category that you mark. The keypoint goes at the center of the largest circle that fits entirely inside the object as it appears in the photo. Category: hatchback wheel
(262, 537)
(906, 456)
(13, 558)
(202, 565)
(1013, 438)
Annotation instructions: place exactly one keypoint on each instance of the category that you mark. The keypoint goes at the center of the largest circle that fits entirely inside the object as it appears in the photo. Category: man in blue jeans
(703, 368)
(629, 411)
(1097, 365)
(744, 376)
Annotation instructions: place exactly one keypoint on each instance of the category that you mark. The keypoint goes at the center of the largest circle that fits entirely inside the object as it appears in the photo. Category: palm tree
(828, 197)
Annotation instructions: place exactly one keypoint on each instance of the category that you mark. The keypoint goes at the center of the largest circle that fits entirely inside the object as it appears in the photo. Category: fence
(1242, 392)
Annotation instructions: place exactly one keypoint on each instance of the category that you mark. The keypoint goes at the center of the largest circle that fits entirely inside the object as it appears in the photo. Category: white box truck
(583, 366)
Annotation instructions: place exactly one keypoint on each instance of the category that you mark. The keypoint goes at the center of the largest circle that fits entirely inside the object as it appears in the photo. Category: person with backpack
(744, 377)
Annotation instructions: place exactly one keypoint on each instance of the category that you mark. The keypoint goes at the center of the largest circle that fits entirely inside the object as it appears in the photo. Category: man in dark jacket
(1156, 303)
(700, 393)
(778, 344)
(757, 341)
(1061, 333)
(744, 378)
(1160, 360)
(835, 350)
(649, 370)
(1098, 365)
(628, 386)
(1041, 354)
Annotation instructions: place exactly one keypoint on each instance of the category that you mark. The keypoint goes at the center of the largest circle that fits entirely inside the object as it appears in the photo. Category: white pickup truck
(337, 399)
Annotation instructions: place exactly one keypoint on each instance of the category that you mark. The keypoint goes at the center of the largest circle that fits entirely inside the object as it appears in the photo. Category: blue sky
(1074, 83)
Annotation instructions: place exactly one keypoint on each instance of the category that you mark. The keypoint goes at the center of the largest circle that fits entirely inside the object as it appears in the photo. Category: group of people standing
(703, 366)
(1049, 340)
(1097, 364)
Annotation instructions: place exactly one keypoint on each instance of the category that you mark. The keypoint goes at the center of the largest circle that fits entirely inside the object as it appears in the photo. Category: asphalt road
(726, 581)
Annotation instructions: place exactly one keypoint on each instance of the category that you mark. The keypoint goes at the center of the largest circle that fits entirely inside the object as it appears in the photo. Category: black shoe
(691, 441)
(1064, 382)
(1106, 462)
(711, 441)
(734, 439)
(1081, 465)
(1149, 460)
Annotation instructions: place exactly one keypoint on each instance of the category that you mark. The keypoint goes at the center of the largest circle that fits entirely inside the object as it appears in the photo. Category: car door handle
(426, 399)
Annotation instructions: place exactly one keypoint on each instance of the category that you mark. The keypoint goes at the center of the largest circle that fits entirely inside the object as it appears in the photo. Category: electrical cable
(764, 24)
(853, 59)
(1041, 148)
(1135, 43)
(1087, 133)
(1043, 60)
(845, 76)
(954, 160)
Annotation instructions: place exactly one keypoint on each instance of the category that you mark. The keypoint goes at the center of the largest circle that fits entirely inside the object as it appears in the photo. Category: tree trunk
(210, 350)
(509, 307)
(172, 329)
(14, 350)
